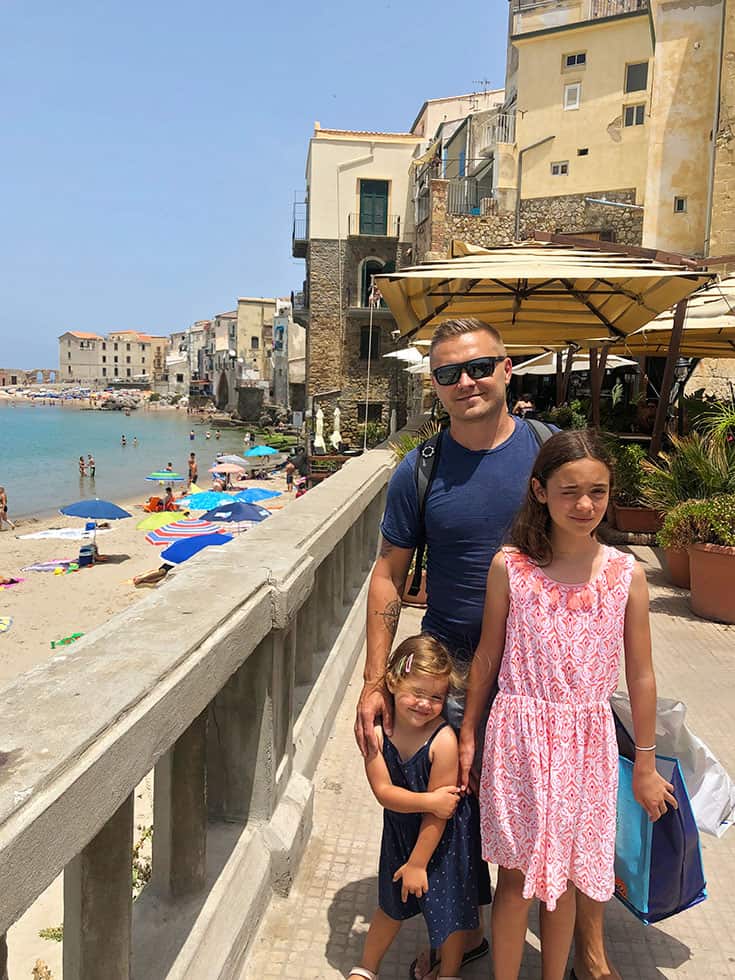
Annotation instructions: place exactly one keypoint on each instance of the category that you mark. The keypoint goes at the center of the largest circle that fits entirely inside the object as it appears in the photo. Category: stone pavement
(317, 932)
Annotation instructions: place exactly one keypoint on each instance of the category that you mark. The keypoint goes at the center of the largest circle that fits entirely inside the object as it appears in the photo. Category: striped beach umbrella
(165, 476)
(182, 529)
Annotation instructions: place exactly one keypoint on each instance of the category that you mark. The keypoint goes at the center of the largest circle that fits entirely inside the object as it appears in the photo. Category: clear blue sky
(150, 151)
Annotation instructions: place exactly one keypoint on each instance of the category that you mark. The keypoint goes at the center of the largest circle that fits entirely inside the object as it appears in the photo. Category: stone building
(120, 356)
(356, 221)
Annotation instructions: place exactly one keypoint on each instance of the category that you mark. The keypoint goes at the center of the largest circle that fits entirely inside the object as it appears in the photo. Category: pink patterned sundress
(550, 767)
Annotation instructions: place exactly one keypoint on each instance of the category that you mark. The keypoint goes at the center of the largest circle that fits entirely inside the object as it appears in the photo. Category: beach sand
(46, 607)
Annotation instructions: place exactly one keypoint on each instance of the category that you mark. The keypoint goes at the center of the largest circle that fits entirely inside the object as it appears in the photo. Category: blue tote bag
(658, 866)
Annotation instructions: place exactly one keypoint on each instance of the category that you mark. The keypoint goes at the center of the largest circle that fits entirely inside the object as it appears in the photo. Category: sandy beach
(46, 607)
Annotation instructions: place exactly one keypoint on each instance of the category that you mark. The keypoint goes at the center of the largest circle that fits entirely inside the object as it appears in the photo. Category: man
(91, 465)
(193, 468)
(479, 484)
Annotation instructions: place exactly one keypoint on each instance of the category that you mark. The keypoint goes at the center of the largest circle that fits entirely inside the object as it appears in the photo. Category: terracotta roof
(83, 336)
(363, 132)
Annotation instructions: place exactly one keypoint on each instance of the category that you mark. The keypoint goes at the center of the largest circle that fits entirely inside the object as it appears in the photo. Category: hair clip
(409, 664)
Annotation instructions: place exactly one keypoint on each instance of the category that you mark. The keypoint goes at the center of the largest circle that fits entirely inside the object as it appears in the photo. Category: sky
(151, 152)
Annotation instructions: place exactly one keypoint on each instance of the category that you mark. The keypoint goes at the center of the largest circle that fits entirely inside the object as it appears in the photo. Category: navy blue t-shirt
(471, 504)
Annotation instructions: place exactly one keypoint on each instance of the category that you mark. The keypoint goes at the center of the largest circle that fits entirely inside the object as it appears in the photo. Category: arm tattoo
(385, 548)
(390, 616)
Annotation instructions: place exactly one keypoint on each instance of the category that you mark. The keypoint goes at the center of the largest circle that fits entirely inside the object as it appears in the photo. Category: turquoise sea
(40, 449)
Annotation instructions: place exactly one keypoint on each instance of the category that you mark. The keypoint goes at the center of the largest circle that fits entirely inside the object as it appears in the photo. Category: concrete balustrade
(224, 681)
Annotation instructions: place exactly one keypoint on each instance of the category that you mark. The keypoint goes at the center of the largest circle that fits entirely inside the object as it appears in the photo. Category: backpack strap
(540, 430)
(427, 460)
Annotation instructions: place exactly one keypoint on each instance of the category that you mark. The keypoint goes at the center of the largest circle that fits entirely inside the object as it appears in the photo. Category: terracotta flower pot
(638, 520)
(713, 573)
(677, 567)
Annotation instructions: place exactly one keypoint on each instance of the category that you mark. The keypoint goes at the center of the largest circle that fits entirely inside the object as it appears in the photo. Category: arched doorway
(223, 392)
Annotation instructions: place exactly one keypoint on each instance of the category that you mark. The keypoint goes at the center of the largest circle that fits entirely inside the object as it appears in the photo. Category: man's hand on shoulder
(374, 703)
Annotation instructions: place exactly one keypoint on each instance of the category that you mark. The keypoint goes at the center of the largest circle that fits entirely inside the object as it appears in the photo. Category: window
(634, 115)
(70, 369)
(254, 343)
(680, 205)
(583, 152)
(373, 207)
(572, 95)
(127, 359)
(104, 345)
(560, 168)
(374, 412)
(129, 372)
(143, 360)
(104, 372)
(115, 358)
(462, 163)
(68, 355)
(636, 77)
(127, 346)
(578, 60)
(366, 345)
(179, 379)
(104, 358)
(115, 346)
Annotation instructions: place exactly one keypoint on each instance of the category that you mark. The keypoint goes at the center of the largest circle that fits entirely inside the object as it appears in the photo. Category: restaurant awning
(539, 293)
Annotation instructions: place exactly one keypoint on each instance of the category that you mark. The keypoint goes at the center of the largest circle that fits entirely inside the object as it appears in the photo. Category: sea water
(40, 448)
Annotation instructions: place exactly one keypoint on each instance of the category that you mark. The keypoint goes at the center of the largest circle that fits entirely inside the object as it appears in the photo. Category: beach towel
(5, 623)
(49, 566)
(65, 533)
(9, 585)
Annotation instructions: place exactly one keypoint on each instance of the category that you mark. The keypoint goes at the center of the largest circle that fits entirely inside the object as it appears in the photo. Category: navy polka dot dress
(456, 866)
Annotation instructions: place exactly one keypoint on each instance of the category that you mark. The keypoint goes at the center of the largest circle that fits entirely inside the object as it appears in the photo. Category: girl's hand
(466, 758)
(653, 792)
(413, 880)
(443, 802)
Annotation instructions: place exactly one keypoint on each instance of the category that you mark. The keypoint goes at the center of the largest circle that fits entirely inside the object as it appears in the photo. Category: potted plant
(676, 537)
(712, 559)
(699, 467)
(632, 514)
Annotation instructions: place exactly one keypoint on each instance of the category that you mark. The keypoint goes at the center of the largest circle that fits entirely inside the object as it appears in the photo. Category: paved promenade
(317, 932)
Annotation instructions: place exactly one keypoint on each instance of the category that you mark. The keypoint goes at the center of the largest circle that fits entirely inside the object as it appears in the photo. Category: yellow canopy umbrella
(158, 519)
(539, 293)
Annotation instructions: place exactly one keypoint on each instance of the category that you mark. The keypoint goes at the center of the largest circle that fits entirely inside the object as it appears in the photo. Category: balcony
(501, 130)
(300, 232)
(364, 225)
(542, 15)
(611, 8)
(466, 196)
(300, 306)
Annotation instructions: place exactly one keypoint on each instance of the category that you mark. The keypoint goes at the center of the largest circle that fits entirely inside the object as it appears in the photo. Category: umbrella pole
(594, 389)
(571, 351)
(559, 378)
(662, 411)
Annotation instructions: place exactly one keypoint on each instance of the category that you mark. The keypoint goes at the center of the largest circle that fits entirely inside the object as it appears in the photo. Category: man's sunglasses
(478, 367)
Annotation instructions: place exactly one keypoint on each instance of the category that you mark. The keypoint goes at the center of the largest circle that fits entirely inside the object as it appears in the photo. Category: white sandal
(360, 971)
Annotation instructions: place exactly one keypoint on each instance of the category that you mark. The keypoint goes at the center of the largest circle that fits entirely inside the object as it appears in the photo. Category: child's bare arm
(650, 789)
(414, 880)
(441, 799)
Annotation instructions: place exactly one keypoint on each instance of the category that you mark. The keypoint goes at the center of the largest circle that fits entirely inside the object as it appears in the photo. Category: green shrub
(154, 397)
(410, 440)
(375, 432)
(696, 469)
(630, 478)
(571, 416)
(709, 521)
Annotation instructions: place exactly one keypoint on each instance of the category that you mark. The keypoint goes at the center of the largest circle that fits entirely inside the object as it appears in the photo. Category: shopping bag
(658, 865)
(711, 791)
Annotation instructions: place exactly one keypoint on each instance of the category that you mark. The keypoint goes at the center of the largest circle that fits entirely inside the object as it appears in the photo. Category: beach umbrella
(180, 551)
(206, 500)
(182, 529)
(547, 363)
(160, 519)
(231, 458)
(227, 468)
(95, 509)
(237, 511)
(165, 476)
(260, 451)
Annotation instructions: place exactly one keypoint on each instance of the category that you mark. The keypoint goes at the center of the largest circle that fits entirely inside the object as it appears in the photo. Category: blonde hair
(421, 654)
(459, 327)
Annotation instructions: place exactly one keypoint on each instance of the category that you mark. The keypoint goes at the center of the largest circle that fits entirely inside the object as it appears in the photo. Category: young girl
(560, 607)
(428, 862)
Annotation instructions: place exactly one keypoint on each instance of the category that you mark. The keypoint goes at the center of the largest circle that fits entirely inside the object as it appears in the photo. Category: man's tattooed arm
(390, 615)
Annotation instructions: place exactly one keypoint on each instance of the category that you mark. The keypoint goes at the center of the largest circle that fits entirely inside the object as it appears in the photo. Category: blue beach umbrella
(182, 550)
(237, 510)
(254, 494)
(206, 500)
(261, 451)
(95, 510)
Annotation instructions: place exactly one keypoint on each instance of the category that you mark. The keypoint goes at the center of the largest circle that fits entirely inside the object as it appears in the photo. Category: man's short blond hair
(456, 328)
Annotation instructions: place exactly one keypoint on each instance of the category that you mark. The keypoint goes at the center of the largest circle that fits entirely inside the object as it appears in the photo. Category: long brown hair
(531, 529)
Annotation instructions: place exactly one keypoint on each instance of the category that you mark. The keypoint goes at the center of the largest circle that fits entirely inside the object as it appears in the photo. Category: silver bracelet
(646, 748)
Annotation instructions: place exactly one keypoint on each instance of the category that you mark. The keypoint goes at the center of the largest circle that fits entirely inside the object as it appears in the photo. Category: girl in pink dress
(560, 608)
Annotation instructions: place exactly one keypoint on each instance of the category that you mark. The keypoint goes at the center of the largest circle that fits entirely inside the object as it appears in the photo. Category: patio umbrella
(408, 354)
(165, 476)
(540, 292)
(547, 363)
(181, 551)
(178, 530)
(237, 511)
(227, 468)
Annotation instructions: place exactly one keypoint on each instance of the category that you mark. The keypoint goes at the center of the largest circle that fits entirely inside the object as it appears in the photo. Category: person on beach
(82, 466)
(4, 519)
(483, 469)
(123, 441)
(169, 501)
(169, 467)
(560, 607)
(207, 434)
(193, 468)
(428, 850)
(191, 435)
(135, 442)
(217, 434)
(91, 465)
(289, 469)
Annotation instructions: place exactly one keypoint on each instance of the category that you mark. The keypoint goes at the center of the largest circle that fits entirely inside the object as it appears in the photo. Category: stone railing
(225, 682)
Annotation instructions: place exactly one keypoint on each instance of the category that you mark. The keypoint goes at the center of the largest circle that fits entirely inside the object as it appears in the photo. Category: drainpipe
(715, 127)
(341, 167)
(547, 139)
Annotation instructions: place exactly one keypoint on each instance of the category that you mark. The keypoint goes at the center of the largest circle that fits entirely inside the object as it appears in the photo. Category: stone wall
(722, 232)
(565, 214)
(715, 375)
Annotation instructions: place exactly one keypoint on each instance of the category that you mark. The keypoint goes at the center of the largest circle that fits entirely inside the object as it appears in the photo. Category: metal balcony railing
(611, 8)
(464, 196)
(501, 130)
(300, 233)
(387, 226)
